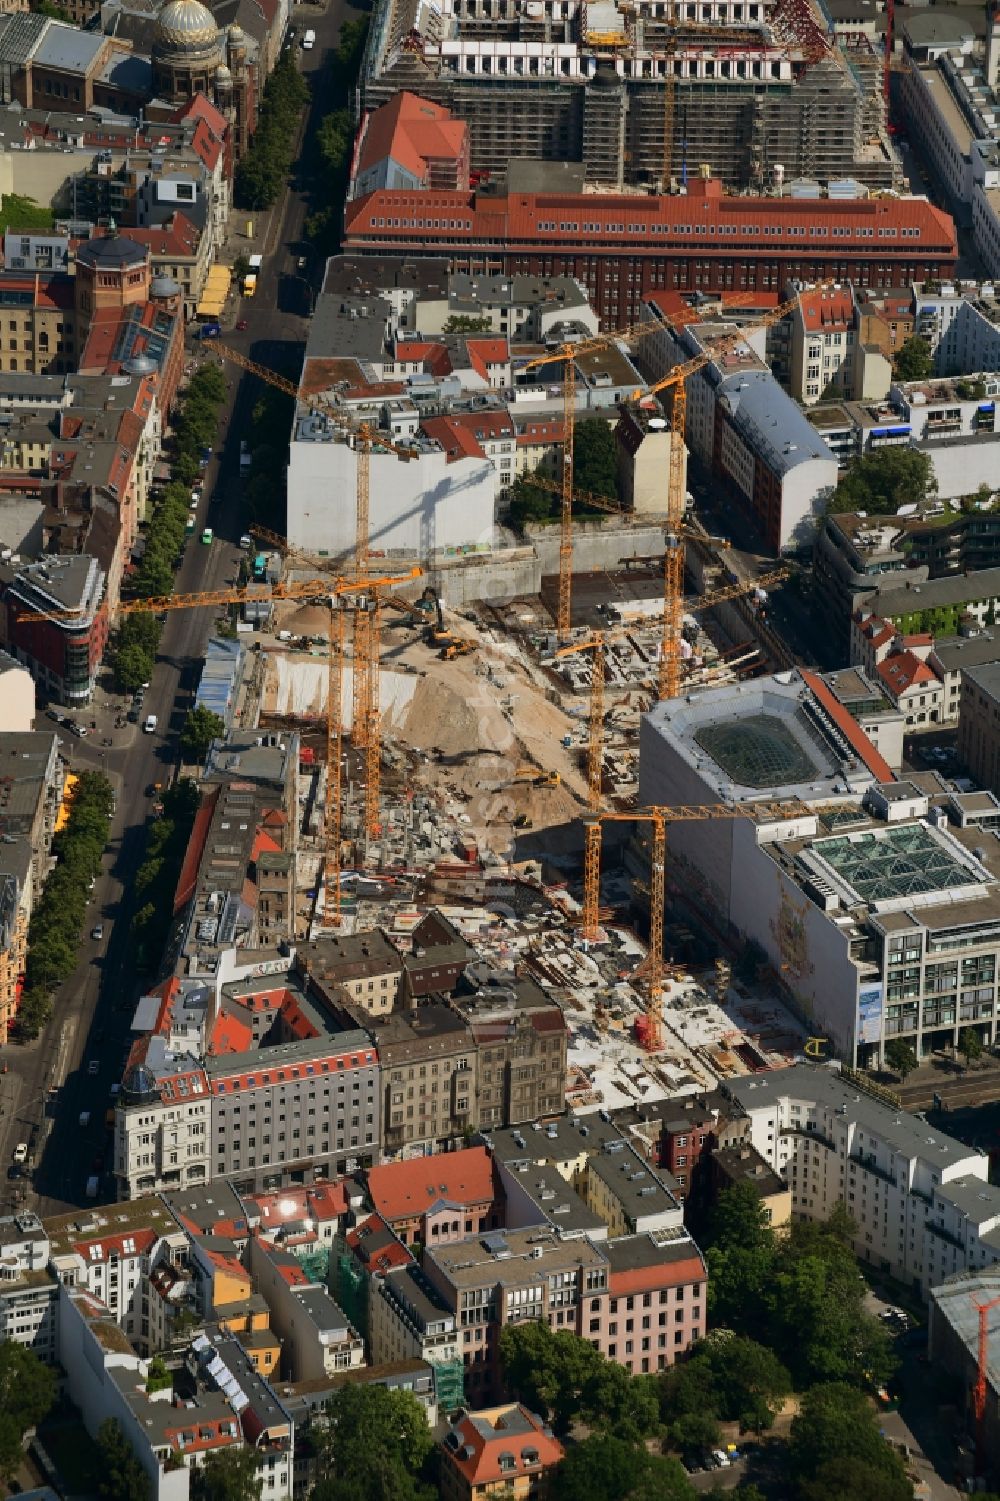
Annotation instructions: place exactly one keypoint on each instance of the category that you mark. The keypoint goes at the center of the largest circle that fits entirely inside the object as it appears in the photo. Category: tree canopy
(122, 1477)
(376, 1448)
(606, 1468)
(900, 1057)
(263, 171)
(595, 458)
(562, 1377)
(200, 728)
(835, 1449)
(881, 482)
(227, 1475)
(58, 917)
(913, 359)
(800, 1295)
(729, 1378)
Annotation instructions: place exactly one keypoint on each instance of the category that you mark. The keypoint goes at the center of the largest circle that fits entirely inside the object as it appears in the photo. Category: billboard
(870, 1012)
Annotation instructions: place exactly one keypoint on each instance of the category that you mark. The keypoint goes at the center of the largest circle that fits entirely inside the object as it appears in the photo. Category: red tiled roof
(643, 1279)
(178, 238)
(703, 219)
(400, 1190)
(904, 670)
(433, 356)
(482, 1466)
(486, 352)
(822, 311)
(411, 131)
(230, 1035)
(322, 1201)
(456, 440)
(264, 1075)
(141, 1242)
(188, 878)
(849, 727)
(390, 1253)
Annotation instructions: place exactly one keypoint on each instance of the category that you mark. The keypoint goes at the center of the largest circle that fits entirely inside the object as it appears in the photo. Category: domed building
(191, 55)
(112, 271)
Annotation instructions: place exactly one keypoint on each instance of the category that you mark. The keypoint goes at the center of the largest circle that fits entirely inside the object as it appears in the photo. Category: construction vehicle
(458, 648)
(332, 589)
(536, 776)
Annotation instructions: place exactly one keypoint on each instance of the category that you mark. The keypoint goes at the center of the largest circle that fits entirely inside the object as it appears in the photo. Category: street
(93, 1009)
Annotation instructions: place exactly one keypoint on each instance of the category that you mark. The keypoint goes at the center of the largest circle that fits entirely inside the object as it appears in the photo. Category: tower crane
(673, 558)
(693, 35)
(595, 732)
(660, 817)
(372, 737)
(332, 588)
(979, 1386)
(366, 438)
(567, 354)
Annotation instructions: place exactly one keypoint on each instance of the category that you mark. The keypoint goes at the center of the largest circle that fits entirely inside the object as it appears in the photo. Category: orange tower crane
(660, 817)
(332, 588)
(979, 1386)
(365, 439)
(567, 354)
(595, 733)
(372, 737)
(673, 558)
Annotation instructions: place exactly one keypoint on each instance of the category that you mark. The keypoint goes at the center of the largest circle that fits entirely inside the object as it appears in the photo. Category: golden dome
(185, 26)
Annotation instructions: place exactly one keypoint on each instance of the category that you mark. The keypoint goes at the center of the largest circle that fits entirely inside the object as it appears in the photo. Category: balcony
(870, 1165)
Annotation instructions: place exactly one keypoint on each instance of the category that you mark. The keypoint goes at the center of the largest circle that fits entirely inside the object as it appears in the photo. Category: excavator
(537, 777)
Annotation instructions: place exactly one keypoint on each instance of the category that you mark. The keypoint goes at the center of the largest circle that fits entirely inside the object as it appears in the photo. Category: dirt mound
(307, 620)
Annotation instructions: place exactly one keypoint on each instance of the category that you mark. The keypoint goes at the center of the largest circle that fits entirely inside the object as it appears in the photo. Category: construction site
(639, 93)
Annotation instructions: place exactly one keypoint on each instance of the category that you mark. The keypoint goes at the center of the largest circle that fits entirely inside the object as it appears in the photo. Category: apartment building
(437, 1199)
(113, 1254)
(921, 1201)
(408, 1319)
(429, 1071)
(657, 1308)
(516, 1276)
(520, 1035)
(31, 795)
(29, 1295)
(316, 1337)
(979, 724)
(366, 967)
(63, 656)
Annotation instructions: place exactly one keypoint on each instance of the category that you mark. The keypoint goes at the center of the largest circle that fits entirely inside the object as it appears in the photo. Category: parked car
(54, 714)
(149, 728)
(79, 730)
(241, 325)
(97, 932)
(21, 1152)
(93, 1067)
(207, 536)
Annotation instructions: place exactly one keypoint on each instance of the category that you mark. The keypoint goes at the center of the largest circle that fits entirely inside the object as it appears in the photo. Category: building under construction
(751, 87)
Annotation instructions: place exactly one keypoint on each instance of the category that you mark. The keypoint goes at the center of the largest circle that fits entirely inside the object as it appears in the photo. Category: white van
(309, 40)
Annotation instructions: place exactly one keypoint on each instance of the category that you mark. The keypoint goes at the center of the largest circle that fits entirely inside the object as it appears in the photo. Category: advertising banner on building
(870, 1013)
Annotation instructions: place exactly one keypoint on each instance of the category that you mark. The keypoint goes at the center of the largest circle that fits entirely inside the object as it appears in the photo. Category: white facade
(17, 695)
(162, 1144)
(417, 509)
(918, 1197)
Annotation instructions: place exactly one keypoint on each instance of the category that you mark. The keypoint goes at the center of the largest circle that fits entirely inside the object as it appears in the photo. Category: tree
(27, 1386)
(376, 1446)
(835, 1434)
(913, 359)
(200, 728)
(741, 1249)
(595, 458)
(900, 1057)
(241, 267)
(881, 482)
(11, 1447)
(605, 1468)
(970, 1045)
(122, 1477)
(529, 502)
(133, 668)
(228, 1475)
(749, 1380)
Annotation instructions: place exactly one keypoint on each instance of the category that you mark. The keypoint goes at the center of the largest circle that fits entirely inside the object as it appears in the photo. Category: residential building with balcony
(921, 1200)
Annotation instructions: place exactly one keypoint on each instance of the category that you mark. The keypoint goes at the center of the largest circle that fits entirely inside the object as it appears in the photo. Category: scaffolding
(449, 1383)
(352, 1293)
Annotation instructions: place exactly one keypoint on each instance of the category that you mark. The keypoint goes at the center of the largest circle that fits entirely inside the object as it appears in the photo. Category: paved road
(94, 1008)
